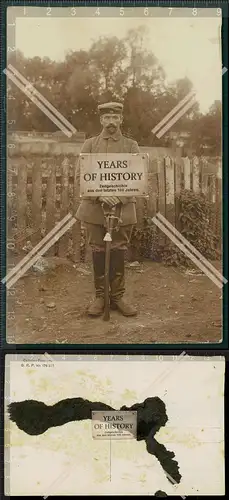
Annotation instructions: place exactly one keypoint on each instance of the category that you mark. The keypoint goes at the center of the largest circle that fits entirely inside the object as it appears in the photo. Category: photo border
(161, 3)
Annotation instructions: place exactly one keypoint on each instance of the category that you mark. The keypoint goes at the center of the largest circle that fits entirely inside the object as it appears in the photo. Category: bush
(194, 223)
(145, 241)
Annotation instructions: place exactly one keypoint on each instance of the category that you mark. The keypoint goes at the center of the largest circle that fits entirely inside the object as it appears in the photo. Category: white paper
(66, 460)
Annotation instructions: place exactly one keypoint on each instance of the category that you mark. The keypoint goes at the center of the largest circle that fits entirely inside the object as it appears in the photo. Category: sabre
(109, 224)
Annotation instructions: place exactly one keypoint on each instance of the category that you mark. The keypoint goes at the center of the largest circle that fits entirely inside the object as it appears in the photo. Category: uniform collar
(105, 135)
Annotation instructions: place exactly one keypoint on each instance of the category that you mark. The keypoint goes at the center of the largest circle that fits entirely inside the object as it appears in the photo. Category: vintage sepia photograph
(114, 425)
(114, 175)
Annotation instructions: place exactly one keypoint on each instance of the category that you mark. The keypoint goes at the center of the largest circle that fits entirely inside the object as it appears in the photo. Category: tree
(106, 56)
(37, 71)
(144, 83)
(143, 68)
(207, 134)
(112, 69)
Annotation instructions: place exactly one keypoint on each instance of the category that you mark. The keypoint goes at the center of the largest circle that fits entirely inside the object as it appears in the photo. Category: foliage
(112, 68)
(145, 241)
(194, 223)
(205, 136)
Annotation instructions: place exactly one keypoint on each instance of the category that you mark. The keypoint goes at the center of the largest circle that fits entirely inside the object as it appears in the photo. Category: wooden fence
(42, 190)
(44, 136)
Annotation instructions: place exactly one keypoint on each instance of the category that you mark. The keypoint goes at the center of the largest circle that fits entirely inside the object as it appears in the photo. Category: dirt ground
(173, 307)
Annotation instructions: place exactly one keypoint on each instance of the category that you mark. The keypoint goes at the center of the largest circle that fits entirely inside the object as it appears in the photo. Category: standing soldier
(91, 213)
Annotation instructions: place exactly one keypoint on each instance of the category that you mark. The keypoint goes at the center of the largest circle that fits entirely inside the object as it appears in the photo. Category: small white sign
(113, 174)
(114, 424)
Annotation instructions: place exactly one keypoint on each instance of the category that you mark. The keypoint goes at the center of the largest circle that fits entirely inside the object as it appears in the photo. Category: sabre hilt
(110, 217)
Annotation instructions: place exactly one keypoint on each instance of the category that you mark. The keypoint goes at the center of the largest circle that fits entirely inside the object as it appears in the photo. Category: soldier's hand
(109, 200)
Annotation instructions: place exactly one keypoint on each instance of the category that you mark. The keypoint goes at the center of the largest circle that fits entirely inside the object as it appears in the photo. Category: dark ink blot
(160, 493)
(35, 417)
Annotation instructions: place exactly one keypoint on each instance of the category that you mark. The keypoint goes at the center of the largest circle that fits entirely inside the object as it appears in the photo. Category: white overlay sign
(118, 174)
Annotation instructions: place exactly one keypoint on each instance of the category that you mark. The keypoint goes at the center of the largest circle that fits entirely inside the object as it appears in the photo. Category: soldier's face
(111, 122)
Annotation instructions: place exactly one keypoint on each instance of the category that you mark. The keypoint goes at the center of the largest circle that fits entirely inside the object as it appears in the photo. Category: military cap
(110, 107)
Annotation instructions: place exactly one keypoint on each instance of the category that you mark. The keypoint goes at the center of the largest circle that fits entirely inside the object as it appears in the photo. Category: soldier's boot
(117, 284)
(96, 308)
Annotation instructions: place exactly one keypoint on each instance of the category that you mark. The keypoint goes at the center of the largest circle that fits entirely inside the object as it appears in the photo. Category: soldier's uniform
(91, 213)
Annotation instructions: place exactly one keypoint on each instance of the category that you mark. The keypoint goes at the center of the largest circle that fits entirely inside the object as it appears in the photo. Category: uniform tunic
(90, 210)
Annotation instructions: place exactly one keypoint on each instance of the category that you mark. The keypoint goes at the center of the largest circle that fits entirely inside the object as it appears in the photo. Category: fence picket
(211, 199)
(203, 178)
(161, 195)
(36, 201)
(196, 175)
(218, 206)
(170, 192)
(212, 188)
(51, 202)
(187, 173)
(63, 243)
(22, 202)
(152, 199)
(177, 188)
(161, 187)
(10, 201)
(76, 230)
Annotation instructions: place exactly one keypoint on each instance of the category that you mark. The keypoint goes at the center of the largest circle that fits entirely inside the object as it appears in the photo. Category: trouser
(119, 244)
(116, 274)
